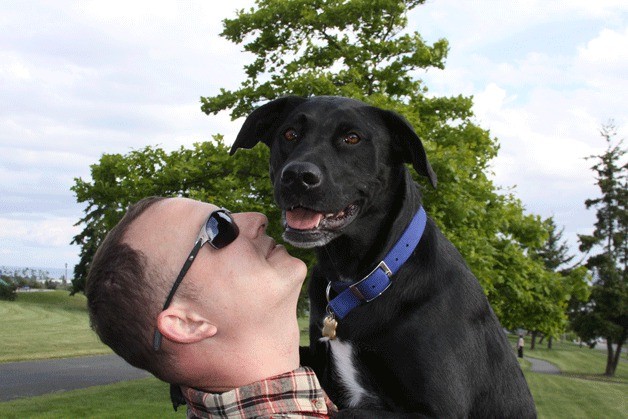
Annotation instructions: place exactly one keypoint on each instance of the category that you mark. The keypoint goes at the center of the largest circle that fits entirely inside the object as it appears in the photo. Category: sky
(83, 78)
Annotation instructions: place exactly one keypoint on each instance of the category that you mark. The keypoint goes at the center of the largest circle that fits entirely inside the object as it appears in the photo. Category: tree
(326, 47)
(7, 289)
(362, 49)
(569, 283)
(555, 251)
(118, 181)
(606, 313)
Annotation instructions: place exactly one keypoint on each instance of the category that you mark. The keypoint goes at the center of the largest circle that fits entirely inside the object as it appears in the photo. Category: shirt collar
(296, 394)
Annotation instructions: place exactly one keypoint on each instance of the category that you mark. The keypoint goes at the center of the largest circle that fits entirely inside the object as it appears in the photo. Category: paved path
(541, 366)
(34, 378)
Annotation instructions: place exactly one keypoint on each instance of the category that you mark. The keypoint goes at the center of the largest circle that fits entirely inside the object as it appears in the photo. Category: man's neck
(258, 358)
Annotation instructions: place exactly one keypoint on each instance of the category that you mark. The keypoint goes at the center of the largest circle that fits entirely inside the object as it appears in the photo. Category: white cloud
(610, 48)
(12, 69)
(46, 232)
(544, 77)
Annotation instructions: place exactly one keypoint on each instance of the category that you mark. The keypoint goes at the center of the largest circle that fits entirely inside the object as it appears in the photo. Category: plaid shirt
(295, 394)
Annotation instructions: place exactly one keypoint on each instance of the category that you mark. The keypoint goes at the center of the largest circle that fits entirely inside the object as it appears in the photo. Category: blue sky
(83, 78)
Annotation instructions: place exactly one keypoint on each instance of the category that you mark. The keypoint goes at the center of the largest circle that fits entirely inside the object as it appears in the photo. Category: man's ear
(183, 326)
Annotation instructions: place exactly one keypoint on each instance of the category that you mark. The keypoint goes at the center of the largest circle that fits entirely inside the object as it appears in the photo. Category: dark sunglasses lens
(221, 229)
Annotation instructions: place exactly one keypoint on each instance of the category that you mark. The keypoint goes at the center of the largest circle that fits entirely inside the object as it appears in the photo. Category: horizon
(54, 273)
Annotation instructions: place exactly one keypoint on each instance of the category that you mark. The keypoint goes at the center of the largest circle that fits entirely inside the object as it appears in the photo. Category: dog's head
(332, 160)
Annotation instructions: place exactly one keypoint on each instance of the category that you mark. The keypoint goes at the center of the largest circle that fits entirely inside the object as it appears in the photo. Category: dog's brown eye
(290, 135)
(352, 138)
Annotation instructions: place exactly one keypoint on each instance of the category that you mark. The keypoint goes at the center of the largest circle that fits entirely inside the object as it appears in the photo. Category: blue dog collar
(374, 284)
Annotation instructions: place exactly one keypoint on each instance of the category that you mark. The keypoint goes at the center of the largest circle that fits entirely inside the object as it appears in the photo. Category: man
(228, 322)
(520, 345)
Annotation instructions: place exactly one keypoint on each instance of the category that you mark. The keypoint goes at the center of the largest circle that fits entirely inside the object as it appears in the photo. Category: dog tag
(329, 327)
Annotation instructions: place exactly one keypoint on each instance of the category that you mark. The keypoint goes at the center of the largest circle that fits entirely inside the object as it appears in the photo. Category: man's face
(239, 286)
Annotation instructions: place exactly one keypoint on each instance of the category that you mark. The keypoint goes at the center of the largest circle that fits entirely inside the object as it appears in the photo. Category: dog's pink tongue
(303, 219)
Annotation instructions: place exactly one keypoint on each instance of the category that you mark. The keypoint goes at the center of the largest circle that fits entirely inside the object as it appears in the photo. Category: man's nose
(251, 224)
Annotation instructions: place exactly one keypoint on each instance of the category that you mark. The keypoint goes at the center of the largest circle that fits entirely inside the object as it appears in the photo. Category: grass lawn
(304, 326)
(559, 396)
(566, 396)
(146, 398)
(42, 325)
(581, 362)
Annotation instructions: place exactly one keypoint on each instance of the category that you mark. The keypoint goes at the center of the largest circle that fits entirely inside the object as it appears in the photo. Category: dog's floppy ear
(408, 145)
(258, 125)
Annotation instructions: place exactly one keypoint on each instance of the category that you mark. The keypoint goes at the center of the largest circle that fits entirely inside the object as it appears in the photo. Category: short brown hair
(123, 295)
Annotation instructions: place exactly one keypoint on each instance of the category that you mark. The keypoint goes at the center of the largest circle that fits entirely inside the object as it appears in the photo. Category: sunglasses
(219, 231)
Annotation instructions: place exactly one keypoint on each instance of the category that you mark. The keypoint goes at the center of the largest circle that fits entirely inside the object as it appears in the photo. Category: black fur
(430, 346)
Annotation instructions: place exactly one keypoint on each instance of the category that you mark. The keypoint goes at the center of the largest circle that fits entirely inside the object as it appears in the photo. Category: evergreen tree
(606, 313)
(573, 280)
(555, 252)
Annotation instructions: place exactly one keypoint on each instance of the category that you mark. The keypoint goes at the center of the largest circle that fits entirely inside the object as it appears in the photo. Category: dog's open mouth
(305, 219)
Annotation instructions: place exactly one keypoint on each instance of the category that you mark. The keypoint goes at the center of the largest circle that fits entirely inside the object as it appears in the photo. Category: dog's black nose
(301, 175)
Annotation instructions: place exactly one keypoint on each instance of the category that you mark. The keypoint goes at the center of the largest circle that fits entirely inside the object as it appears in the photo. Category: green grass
(564, 396)
(304, 326)
(39, 325)
(580, 362)
(58, 299)
(146, 398)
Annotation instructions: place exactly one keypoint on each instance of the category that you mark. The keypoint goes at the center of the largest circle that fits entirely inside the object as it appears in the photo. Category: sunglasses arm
(186, 266)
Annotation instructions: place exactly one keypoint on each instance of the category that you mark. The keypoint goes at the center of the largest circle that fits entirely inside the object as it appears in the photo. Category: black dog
(430, 344)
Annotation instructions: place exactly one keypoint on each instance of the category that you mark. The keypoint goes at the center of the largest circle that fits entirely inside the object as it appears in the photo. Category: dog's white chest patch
(342, 353)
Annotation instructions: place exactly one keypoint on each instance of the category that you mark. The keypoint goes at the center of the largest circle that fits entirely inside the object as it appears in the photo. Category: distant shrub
(7, 291)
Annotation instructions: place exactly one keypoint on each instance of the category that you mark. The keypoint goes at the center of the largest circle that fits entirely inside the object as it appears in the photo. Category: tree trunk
(617, 356)
(614, 359)
(542, 338)
(533, 340)
(610, 359)
(549, 342)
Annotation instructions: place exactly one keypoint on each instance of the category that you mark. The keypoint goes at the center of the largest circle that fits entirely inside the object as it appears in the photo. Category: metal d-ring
(327, 291)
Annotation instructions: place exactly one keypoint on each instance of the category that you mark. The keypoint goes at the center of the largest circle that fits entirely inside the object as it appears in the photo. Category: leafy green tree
(351, 48)
(362, 49)
(606, 313)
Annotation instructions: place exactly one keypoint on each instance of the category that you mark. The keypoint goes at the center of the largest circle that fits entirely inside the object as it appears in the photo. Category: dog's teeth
(337, 215)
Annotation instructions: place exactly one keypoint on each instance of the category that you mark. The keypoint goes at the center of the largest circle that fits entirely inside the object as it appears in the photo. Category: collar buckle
(355, 288)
